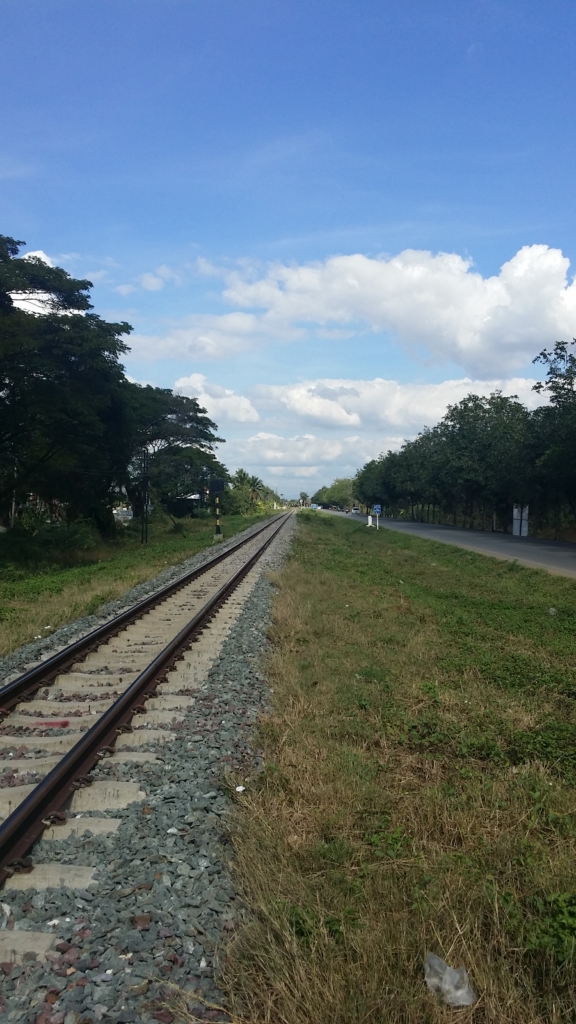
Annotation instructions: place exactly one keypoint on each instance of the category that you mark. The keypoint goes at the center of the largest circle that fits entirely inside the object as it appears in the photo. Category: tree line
(74, 431)
(340, 494)
(484, 456)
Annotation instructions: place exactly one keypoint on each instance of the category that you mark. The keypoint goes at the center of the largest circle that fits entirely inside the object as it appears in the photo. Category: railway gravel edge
(123, 973)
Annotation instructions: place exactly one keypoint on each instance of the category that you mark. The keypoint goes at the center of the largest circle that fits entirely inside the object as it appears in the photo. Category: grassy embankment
(38, 594)
(419, 791)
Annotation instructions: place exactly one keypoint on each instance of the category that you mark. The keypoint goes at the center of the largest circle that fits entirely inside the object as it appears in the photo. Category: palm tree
(241, 478)
(256, 486)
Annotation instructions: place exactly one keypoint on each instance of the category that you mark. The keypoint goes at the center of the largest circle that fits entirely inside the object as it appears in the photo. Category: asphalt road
(556, 557)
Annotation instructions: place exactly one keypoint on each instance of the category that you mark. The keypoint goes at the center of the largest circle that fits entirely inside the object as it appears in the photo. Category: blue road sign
(377, 510)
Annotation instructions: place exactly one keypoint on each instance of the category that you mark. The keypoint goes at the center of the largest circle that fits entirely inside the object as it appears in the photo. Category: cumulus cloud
(300, 455)
(151, 281)
(204, 336)
(220, 403)
(433, 303)
(156, 281)
(316, 443)
(380, 402)
(38, 254)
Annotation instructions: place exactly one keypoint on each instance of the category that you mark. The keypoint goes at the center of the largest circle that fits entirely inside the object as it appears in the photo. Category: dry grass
(397, 813)
(43, 613)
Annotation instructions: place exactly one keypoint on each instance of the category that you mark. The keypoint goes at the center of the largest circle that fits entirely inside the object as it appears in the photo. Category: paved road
(557, 557)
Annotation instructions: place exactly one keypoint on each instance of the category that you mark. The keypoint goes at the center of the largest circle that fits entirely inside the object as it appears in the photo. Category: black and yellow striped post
(216, 488)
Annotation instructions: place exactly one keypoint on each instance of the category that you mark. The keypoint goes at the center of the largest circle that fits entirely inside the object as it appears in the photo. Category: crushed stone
(164, 904)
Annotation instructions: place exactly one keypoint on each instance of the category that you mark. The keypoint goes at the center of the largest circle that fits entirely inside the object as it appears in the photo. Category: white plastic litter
(240, 789)
(450, 983)
(172, 831)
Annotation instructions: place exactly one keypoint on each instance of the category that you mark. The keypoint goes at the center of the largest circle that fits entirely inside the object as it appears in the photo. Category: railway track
(109, 695)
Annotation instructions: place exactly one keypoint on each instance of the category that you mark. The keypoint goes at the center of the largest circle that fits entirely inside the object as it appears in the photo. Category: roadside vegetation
(486, 455)
(339, 494)
(56, 574)
(419, 788)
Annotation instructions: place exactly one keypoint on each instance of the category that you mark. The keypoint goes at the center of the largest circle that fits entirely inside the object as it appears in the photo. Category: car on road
(356, 511)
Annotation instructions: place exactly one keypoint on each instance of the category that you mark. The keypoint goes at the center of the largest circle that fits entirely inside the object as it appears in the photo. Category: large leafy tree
(554, 433)
(179, 439)
(63, 425)
(71, 424)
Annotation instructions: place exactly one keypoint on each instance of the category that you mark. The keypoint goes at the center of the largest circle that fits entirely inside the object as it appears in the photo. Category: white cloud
(292, 472)
(203, 336)
(306, 427)
(436, 304)
(298, 455)
(142, 383)
(434, 301)
(40, 255)
(151, 282)
(156, 281)
(220, 403)
(382, 403)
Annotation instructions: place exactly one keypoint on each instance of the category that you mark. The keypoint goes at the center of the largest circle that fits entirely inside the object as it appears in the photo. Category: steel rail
(27, 822)
(26, 685)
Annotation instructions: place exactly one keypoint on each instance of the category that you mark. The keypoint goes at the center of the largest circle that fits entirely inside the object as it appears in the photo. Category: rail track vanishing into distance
(113, 689)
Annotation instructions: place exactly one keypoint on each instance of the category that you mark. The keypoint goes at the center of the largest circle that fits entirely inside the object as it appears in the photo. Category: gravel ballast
(164, 902)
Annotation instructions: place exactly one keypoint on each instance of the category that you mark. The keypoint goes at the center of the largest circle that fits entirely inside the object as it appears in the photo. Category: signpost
(520, 521)
(377, 513)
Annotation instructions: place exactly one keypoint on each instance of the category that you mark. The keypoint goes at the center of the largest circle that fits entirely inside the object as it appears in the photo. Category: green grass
(37, 597)
(419, 791)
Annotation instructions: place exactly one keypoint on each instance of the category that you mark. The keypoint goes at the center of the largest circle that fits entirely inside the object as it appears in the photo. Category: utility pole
(145, 485)
(13, 505)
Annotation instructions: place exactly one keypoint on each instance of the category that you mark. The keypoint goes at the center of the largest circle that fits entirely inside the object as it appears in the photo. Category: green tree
(179, 438)
(256, 487)
(554, 436)
(477, 461)
(63, 423)
(339, 493)
(71, 424)
(249, 491)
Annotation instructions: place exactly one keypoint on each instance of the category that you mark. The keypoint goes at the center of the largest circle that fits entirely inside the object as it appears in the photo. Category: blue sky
(304, 209)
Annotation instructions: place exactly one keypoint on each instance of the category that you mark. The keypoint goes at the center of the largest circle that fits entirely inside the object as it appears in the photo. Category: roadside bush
(48, 542)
